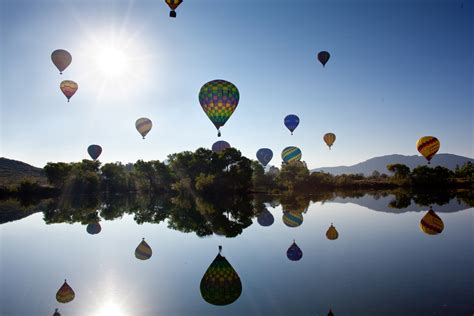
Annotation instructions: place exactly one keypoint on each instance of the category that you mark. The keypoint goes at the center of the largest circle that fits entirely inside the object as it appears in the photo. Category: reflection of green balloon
(292, 219)
(221, 284)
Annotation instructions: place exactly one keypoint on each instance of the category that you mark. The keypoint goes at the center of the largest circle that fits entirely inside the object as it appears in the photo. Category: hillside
(12, 172)
(449, 161)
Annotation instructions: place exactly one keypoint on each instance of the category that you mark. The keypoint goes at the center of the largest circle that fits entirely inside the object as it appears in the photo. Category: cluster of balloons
(62, 59)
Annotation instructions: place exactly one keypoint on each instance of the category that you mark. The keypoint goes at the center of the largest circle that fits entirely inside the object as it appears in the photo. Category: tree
(293, 176)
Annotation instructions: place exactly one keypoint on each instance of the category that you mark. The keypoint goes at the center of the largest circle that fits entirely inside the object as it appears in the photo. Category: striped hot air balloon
(431, 223)
(428, 146)
(221, 284)
(143, 251)
(329, 139)
(292, 219)
(61, 59)
(143, 126)
(65, 293)
(69, 88)
(291, 154)
(332, 233)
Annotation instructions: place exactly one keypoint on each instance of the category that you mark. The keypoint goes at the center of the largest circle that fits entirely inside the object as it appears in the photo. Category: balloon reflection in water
(332, 233)
(65, 293)
(221, 284)
(431, 223)
(143, 251)
(292, 219)
(93, 228)
(294, 253)
(265, 218)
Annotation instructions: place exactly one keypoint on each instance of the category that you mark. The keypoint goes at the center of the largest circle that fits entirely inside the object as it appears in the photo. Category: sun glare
(112, 62)
(110, 308)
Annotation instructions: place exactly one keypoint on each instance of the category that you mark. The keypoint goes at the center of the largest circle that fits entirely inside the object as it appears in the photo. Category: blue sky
(399, 70)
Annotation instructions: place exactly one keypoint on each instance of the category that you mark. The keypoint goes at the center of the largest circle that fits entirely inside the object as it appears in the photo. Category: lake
(381, 263)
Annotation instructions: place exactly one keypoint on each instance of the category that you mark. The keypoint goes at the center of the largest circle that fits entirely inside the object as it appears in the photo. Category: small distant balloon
(323, 57)
(291, 154)
(291, 122)
(61, 59)
(68, 87)
(143, 251)
(56, 312)
(143, 126)
(219, 99)
(330, 312)
(173, 4)
(265, 218)
(65, 293)
(332, 233)
(329, 139)
(431, 223)
(428, 146)
(294, 253)
(264, 156)
(93, 228)
(220, 145)
(94, 151)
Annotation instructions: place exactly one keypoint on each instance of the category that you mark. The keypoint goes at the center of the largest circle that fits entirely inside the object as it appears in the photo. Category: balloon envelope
(332, 233)
(143, 251)
(61, 59)
(220, 145)
(428, 146)
(93, 228)
(264, 155)
(173, 4)
(221, 284)
(265, 218)
(291, 122)
(143, 126)
(431, 223)
(219, 99)
(292, 219)
(94, 151)
(68, 87)
(291, 154)
(294, 253)
(65, 293)
(329, 139)
(323, 57)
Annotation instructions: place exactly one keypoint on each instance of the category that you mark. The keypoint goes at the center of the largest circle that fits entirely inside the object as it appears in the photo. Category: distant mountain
(449, 161)
(12, 172)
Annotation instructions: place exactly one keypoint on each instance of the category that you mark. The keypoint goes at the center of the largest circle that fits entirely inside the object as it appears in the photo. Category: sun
(112, 62)
(110, 308)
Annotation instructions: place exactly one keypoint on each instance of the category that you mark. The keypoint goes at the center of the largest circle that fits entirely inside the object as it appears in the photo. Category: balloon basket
(172, 14)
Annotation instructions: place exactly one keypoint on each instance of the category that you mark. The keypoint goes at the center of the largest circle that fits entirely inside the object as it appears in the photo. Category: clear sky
(398, 70)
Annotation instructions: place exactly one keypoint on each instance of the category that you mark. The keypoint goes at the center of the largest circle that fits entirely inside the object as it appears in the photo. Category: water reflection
(294, 253)
(431, 223)
(332, 233)
(93, 228)
(65, 293)
(292, 219)
(143, 251)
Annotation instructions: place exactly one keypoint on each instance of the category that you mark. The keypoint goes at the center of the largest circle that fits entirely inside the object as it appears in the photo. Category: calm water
(381, 264)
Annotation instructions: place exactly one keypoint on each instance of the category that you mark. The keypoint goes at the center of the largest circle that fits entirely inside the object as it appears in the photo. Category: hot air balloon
(65, 293)
(61, 59)
(68, 87)
(143, 251)
(93, 228)
(292, 219)
(220, 145)
(94, 151)
(431, 223)
(291, 122)
(291, 154)
(428, 146)
(294, 253)
(56, 312)
(221, 284)
(265, 218)
(264, 155)
(173, 4)
(332, 233)
(323, 57)
(218, 99)
(329, 139)
(143, 126)
(330, 312)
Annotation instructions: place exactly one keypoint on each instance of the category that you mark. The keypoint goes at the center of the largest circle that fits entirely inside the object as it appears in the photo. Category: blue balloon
(94, 151)
(294, 253)
(220, 146)
(93, 228)
(265, 218)
(264, 155)
(291, 122)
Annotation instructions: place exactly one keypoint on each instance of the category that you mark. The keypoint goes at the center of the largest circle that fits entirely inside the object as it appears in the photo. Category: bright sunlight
(110, 308)
(112, 62)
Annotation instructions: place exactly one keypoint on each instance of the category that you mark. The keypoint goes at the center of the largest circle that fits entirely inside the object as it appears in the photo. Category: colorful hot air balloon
(291, 154)
(220, 145)
(68, 87)
(93, 228)
(143, 126)
(218, 99)
(265, 218)
(143, 251)
(323, 57)
(292, 219)
(65, 293)
(428, 146)
(264, 155)
(291, 122)
(332, 233)
(221, 284)
(173, 4)
(94, 151)
(61, 59)
(329, 139)
(431, 223)
(294, 253)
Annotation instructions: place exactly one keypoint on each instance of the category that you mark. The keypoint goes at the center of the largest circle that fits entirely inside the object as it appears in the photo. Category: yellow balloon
(332, 233)
(428, 146)
(329, 139)
(143, 126)
(431, 223)
(68, 87)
